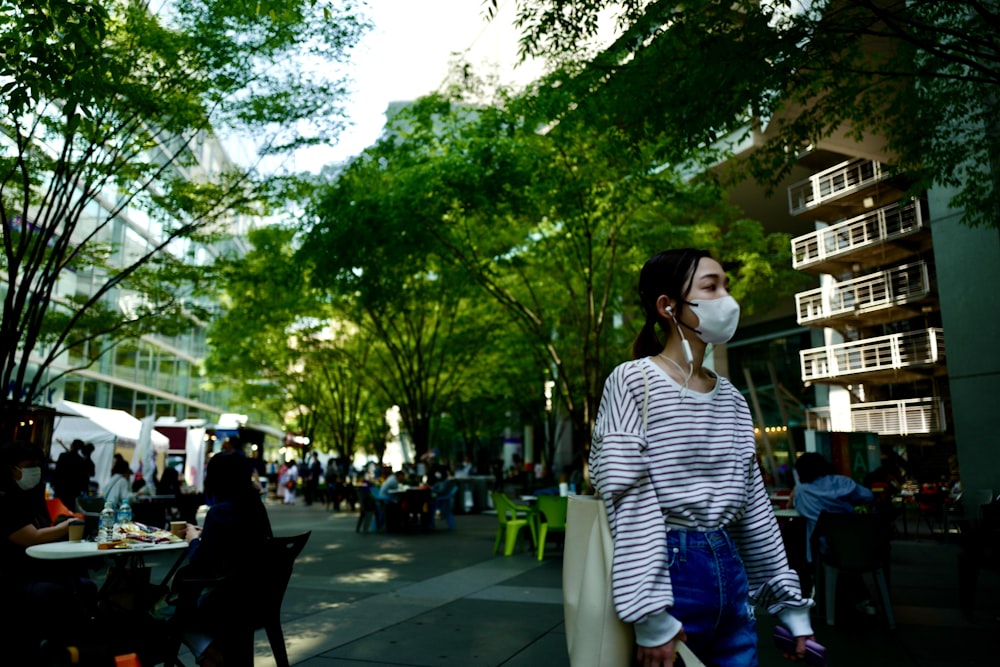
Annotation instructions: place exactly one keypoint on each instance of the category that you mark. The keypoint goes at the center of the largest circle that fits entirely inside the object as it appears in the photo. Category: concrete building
(895, 335)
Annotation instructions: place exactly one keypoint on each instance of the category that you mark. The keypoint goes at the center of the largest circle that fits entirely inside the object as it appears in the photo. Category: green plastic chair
(509, 523)
(552, 517)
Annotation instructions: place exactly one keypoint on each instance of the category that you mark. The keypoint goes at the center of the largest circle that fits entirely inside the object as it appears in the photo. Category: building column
(968, 275)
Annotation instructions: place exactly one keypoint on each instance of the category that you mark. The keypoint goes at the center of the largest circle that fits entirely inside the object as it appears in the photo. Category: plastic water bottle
(106, 531)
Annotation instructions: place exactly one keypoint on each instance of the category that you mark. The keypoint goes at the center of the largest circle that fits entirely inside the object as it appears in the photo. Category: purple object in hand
(815, 653)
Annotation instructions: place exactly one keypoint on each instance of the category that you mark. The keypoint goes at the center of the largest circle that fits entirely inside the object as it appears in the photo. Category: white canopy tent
(107, 429)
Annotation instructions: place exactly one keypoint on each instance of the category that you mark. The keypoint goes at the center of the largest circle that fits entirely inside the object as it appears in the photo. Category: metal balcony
(886, 296)
(875, 238)
(914, 416)
(845, 190)
(894, 358)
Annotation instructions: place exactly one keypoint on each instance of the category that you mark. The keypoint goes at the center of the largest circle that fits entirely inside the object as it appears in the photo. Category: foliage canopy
(111, 180)
(921, 74)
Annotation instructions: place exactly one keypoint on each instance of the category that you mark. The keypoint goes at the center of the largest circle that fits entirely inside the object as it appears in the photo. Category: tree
(366, 246)
(287, 351)
(922, 74)
(553, 226)
(108, 109)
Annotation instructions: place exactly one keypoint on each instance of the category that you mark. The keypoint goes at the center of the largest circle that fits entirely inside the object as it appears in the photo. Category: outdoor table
(415, 507)
(84, 549)
(121, 560)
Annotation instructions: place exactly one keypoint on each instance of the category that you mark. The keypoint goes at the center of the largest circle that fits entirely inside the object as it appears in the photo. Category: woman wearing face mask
(674, 458)
(44, 594)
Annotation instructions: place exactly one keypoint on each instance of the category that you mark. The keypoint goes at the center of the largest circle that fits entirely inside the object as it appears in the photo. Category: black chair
(854, 544)
(246, 602)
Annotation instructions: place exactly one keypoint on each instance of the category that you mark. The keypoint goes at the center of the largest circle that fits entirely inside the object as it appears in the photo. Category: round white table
(70, 550)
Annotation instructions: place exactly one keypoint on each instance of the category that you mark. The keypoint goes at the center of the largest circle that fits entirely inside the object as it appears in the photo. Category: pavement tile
(444, 599)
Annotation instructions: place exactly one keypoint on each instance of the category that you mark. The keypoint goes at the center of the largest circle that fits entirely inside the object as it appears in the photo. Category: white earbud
(688, 356)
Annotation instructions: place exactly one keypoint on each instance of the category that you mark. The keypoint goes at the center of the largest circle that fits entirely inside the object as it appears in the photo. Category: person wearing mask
(674, 458)
(45, 597)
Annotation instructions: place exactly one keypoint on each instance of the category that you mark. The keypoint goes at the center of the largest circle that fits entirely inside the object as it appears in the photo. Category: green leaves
(548, 227)
(918, 80)
(110, 168)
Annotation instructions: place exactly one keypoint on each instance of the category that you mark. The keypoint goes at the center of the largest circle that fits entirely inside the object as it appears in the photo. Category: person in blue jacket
(821, 489)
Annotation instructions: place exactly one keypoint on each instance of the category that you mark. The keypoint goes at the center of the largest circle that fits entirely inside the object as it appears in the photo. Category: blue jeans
(711, 597)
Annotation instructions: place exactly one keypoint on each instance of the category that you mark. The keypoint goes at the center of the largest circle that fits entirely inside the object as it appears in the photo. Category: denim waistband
(716, 540)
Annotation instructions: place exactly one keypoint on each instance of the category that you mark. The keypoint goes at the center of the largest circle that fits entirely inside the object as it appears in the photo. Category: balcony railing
(913, 416)
(864, 231)
(853, 299)
(833, 183)
(881, 358)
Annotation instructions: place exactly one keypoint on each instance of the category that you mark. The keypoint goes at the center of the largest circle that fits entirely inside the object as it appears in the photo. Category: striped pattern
(697, 463)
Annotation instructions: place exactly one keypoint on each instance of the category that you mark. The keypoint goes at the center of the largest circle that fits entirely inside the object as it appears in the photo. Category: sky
(406, 55)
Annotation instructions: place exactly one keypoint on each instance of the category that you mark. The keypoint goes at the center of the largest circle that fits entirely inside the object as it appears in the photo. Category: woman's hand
(193, 532)
(663, 656)
(800, 649)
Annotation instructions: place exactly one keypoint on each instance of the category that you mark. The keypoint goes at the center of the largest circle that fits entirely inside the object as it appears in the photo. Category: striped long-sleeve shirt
(695, 461)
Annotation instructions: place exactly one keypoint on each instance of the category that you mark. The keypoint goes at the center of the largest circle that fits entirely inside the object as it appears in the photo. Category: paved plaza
(443, 599)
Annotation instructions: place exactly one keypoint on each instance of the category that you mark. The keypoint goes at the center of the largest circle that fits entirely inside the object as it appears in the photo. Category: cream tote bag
(595, 636)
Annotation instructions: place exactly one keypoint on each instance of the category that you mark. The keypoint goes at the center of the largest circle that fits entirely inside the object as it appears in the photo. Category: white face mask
(717, 319)
(30, 477)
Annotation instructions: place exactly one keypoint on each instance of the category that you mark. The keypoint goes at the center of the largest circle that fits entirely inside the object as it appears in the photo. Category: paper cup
(76, 531)
(178, 528)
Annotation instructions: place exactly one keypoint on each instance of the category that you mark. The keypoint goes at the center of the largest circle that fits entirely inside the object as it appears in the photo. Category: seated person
(236, 524)
(390, 486)
(820, 489)
(41, 594)
(119, 487)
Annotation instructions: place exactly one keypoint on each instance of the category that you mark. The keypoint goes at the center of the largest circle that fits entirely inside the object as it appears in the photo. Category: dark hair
(121, 467)
(228, 476)
(669, 273)
(12, 453)
(811, 466)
